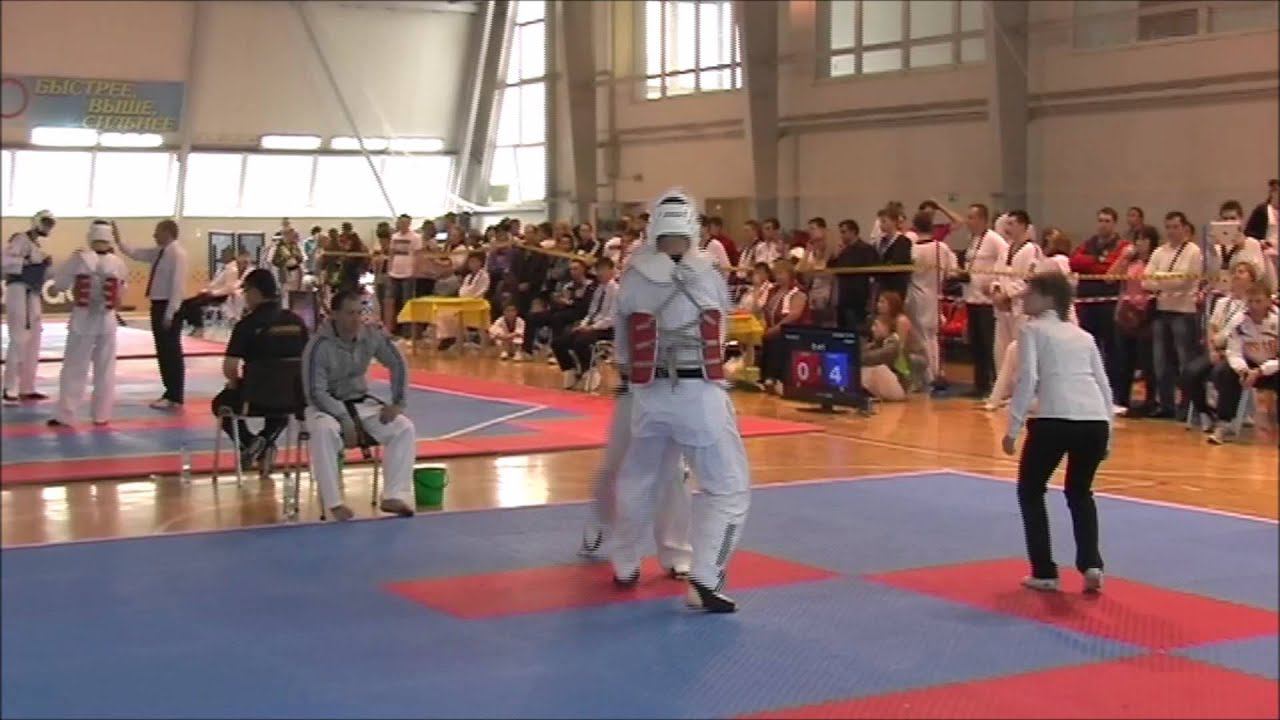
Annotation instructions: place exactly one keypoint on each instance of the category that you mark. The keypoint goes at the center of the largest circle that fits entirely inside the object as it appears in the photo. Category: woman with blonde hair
(787, 305)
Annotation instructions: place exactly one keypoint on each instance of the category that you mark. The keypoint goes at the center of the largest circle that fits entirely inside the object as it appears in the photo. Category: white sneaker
(551, 359)
(570, 379)
(164, 404)
(1093, 580)
(1041, 584)
(504, 355)
(1119, 410)
(1222, 435)
(518, 356)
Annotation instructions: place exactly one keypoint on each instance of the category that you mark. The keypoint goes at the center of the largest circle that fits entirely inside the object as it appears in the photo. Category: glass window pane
(682, 84)
(134, 184)
(1105, 23)
(715, 79)
(973, 50)
(878, 61)
(931, 55)
(842, 65)
(502, 172)
(417, 185)
(531, 163)
(971, 15)
(346, 187)
(930, 18)
(881, 22)
(276, 185)
(213, 185)
(57, 181)
(6, 178)
(682, 42)
(533, 51)
(533, 113)
(1243, 15)
(710, 50)
(530, 10)
(653, 37)
(513, 58)
(843, 24)
(653, 88)
(1179, 23)
(508, 117)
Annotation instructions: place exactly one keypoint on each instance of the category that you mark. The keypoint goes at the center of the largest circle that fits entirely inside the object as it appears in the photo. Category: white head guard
(99, 232)
(674, 213)
(42, 222)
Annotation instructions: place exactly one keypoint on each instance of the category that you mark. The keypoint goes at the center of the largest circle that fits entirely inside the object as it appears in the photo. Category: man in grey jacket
(342, 414)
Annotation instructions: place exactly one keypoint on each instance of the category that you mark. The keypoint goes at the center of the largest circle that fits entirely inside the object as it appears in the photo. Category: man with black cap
(267, 333)
(25, 265)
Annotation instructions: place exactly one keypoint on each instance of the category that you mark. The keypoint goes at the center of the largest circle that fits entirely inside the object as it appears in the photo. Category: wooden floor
(1156, 460)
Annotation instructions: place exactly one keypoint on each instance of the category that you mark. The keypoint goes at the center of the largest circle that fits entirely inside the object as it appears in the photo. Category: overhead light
(136, 140)
(64, 137)
(349, 143)
(290, 142)
(417, 144)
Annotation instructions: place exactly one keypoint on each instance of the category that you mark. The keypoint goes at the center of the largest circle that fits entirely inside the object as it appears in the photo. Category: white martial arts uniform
(96, 282)
(672, 317)
(675, 497)
(334, 371)
(1020, 263)
(23, 256)
(933, 262)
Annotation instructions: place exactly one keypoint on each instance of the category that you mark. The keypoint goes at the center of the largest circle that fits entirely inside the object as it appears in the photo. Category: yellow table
(473, 312)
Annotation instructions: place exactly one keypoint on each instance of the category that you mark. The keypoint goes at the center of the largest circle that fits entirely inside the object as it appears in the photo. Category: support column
(579, 46)
(758, 30)
(490, 68)
(1006, 24)
(188, 124)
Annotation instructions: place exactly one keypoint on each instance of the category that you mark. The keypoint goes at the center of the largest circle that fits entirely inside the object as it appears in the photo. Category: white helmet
(100, 231)
(674, 213)
(43, 222)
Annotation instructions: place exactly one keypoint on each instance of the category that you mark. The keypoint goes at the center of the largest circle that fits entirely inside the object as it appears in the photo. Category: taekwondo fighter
(25, 265)
(95, 276)
(672, 312)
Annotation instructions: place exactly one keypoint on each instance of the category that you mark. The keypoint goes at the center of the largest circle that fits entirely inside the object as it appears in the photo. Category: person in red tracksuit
(1095, 256)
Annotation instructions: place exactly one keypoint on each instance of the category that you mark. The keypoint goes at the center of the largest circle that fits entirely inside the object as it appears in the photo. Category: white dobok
(25, 264)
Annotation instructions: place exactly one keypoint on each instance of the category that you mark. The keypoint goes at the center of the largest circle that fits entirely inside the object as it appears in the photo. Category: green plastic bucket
(429, 482)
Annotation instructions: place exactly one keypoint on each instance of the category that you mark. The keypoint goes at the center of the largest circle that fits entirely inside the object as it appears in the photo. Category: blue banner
(104, 105)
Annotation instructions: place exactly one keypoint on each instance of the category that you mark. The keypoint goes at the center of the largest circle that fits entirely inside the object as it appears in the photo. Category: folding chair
(601, 354)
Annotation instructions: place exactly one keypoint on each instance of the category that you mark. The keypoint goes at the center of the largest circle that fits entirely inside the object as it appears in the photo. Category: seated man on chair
(573, 348)
(225, 286)
(267, 334)
(342, 414)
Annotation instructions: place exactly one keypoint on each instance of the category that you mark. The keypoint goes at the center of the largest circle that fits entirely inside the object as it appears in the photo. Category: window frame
(698, 69)
(515, 89)
(1204, 25)
(955, 38)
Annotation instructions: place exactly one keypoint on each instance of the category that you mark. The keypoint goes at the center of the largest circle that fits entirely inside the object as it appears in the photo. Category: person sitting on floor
(342, 414)
(268, 333)
(573, 348)
(507, 332)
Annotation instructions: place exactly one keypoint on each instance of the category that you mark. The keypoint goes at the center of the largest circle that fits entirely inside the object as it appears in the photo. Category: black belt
(681, 373)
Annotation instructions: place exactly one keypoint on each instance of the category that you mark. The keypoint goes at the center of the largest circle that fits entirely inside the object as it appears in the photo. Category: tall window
(690, 47)
(82, 183)
(865, 37)
(1109, 23)
(518, 173)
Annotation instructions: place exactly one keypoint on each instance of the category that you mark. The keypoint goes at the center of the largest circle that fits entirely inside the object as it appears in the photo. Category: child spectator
(507, 332)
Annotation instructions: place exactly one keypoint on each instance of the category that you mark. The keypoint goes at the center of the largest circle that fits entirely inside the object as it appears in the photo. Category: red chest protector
(642, 334)
(82, 291)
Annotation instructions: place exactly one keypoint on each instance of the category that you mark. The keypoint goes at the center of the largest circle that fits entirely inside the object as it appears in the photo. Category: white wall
(401, 70)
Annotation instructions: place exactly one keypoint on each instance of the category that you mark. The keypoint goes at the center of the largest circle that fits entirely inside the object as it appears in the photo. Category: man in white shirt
(406, 245)
(713, 247)
(220, 291)
(1252, 348)
(25, 265)
(1244, 248)
(986, 250)
(1172, 273)
(1016, 265)
(573, 349)
(934, 263)
(165, 284)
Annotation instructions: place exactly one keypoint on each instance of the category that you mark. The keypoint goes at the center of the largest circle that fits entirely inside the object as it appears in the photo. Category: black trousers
(1099, 320)
(1084, 442)
(557, 320)
(982, 339)
(1194, 383)
(773, 359)
(232, 398)
(573, 349)
(191, 310)
(1132, 353)
(173, 371)
(1227, 381)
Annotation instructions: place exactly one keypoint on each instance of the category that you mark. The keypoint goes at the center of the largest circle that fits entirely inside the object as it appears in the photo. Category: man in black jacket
(893, 249)
(853, 290)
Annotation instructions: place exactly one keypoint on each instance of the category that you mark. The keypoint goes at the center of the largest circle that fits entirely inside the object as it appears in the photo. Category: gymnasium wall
(255, 72)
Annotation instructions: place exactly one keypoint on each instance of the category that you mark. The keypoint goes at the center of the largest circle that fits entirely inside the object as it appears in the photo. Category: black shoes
(703, 598)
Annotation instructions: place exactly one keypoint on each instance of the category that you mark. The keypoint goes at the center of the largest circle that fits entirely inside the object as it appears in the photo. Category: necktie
(596, 299)
(151, 279)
